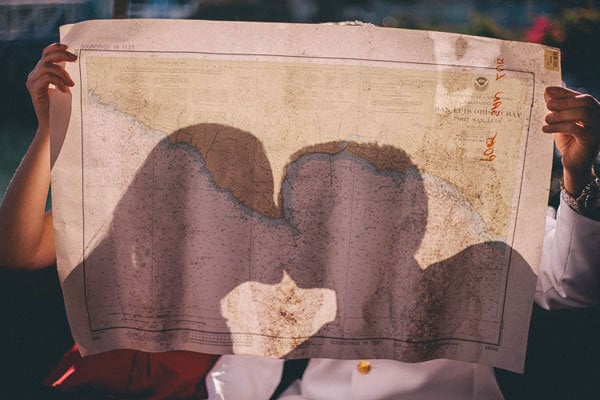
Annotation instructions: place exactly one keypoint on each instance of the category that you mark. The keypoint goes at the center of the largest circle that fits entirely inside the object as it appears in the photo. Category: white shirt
(568, 277)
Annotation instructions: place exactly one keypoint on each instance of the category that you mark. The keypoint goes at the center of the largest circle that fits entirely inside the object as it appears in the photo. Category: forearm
(574, 181)
(568, 275)
(26, 234)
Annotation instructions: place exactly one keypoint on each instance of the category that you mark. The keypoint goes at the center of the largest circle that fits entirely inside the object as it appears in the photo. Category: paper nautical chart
(300, 190)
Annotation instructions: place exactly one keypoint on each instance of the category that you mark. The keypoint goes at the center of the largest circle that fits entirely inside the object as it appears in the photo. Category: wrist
(587, 201)
(574, 181)
(42, 130)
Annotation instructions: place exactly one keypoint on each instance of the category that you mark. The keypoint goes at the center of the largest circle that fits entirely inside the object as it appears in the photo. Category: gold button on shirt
(363, 366)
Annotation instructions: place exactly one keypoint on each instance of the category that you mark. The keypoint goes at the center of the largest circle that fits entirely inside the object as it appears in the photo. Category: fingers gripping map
(300, 190)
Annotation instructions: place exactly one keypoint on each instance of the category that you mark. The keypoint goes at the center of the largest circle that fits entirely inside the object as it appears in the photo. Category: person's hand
(26, 230)
(46, 72)
(574, 119)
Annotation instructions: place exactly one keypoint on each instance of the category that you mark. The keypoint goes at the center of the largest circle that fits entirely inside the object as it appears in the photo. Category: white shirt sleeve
(236, 377)
(569, 273)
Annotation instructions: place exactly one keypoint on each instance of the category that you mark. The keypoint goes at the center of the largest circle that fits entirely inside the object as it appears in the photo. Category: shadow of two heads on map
(200, 219)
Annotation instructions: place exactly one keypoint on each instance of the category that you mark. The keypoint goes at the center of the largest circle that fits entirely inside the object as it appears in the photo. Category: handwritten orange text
(499, 68)
(496, 103)
(488, 153)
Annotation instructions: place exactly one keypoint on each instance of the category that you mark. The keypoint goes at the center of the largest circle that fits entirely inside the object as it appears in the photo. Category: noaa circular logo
(481, 83)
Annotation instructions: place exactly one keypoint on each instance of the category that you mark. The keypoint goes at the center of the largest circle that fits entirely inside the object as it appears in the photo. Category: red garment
(132, 374)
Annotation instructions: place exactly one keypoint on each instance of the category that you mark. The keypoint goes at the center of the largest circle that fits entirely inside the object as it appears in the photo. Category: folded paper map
(295, 191)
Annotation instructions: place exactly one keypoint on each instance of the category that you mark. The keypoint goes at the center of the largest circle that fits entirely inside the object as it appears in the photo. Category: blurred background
(26, 27)
(564, 354)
